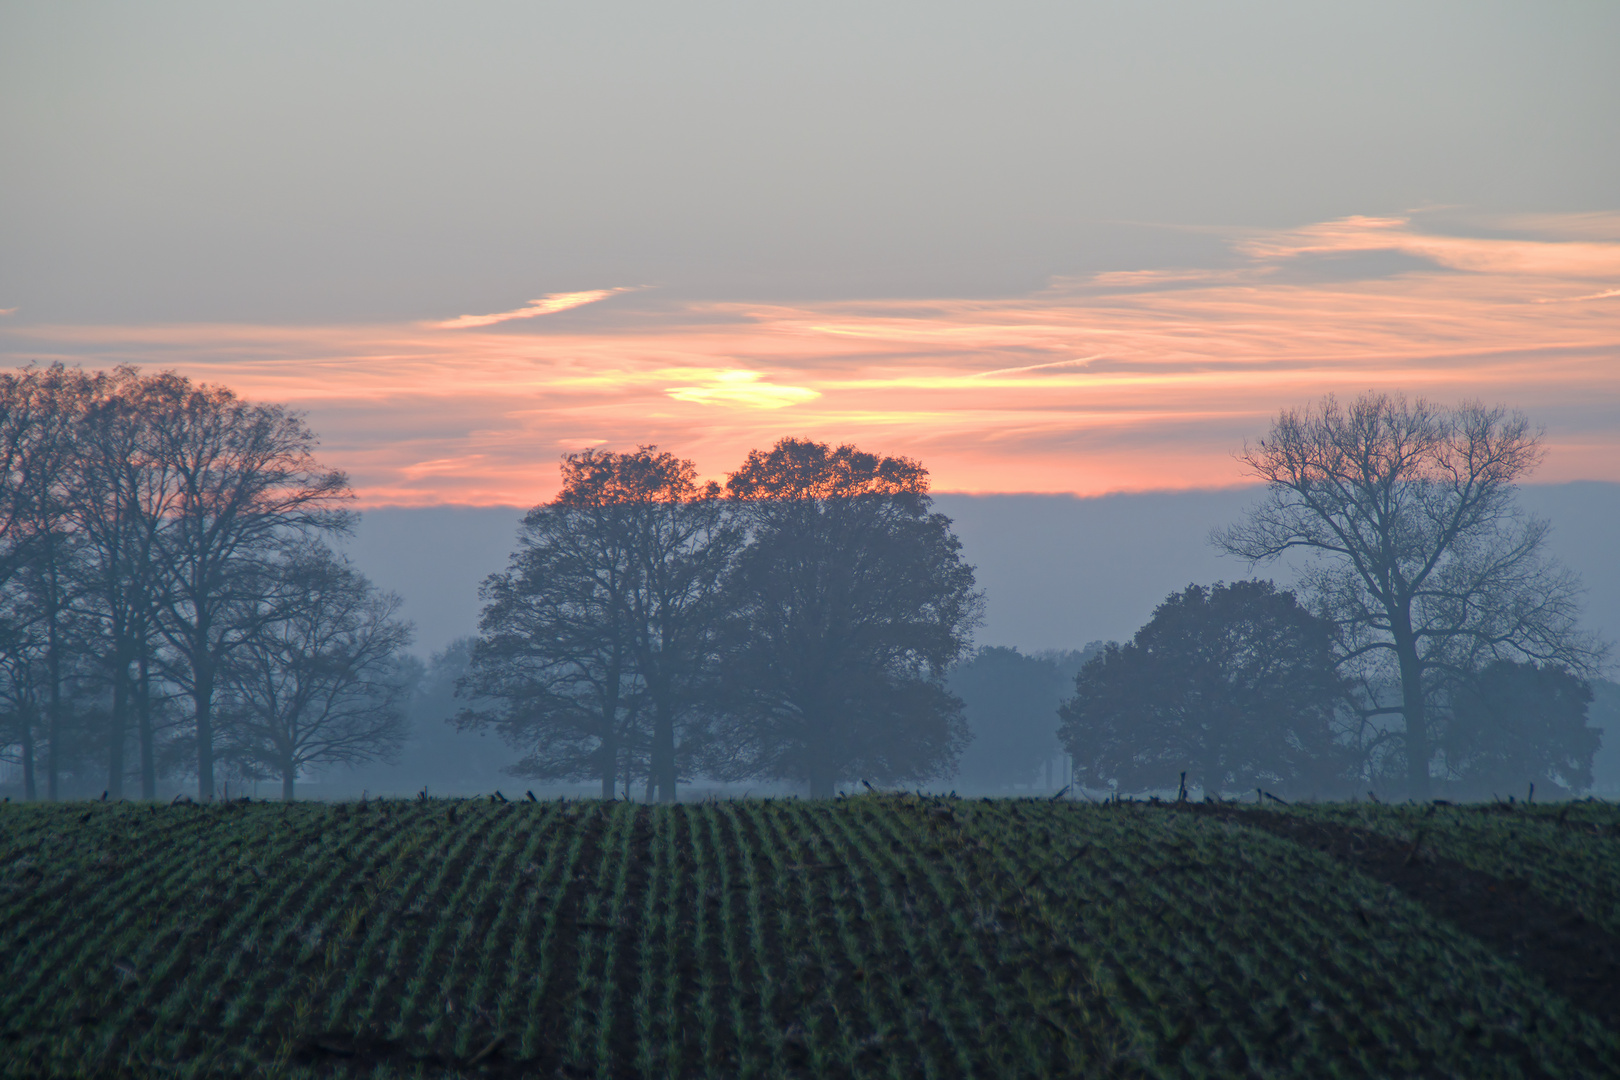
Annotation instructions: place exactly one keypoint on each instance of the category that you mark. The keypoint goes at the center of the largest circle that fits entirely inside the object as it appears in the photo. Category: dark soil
(1572, 955)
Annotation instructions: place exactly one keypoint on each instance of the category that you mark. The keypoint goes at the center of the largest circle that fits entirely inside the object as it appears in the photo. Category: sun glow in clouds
(1125, 381)
(742, 388)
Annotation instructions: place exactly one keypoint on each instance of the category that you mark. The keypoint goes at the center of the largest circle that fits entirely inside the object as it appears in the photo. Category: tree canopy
(1235, 685)
(848, 604)
(598, 643)
(1010, 702)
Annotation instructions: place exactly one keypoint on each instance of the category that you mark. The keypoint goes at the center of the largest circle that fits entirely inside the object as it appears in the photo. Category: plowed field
(892, 936)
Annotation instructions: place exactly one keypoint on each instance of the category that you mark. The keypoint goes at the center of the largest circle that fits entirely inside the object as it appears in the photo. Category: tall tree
(1234, 685)
(246, 480)
(121, 494)
(39, 410)
(1422, 556)
(682, 543)
(47, 544)
(320, 682)
(555, 660)
(849, 603)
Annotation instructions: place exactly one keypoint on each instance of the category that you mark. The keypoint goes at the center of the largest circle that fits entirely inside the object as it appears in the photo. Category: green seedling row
(881, 936)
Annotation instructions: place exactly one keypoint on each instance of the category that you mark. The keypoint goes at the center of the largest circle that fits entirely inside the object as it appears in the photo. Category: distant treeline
(168, 606)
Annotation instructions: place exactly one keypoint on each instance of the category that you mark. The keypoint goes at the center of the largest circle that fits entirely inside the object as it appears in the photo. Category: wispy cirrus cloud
(1564, 258)
(1606, 294)
(549, 304)
(1109, 383)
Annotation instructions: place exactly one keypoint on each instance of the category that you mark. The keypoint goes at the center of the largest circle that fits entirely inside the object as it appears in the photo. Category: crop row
(1227, 950)
(876, 936)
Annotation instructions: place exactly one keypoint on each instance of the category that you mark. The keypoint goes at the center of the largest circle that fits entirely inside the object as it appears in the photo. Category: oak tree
(847, 606)
(1234, 685)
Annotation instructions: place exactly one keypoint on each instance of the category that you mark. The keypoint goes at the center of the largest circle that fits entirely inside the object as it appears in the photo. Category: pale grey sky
(352, 161)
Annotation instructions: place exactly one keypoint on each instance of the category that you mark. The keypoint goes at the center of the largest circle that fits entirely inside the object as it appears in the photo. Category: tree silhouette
(848, 605)
(1422, 557)
(598, 642)
(246, 481)
(320, 682)
(1235, 685)
(1010, 701)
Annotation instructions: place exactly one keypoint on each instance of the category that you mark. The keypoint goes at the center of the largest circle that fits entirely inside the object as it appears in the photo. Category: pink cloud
(1086, 387)
(1560, 258)
(549, 304)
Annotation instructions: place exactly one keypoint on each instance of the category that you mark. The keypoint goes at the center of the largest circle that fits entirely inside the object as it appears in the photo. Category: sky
(1079, 248)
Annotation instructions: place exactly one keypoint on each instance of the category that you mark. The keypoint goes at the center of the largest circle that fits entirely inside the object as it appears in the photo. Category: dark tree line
(795, 624)
(167, 601)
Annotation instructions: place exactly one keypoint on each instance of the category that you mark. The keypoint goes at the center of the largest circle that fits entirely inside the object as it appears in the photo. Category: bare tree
(1422, 557)
(320, 681)
(50, 405)
(246, 481)
(120, 495)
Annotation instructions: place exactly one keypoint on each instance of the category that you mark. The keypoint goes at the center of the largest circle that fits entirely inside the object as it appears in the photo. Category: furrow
(552, 991)
(596, 931)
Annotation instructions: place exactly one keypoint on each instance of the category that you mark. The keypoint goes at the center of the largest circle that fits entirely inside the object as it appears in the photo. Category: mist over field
(1058, 573)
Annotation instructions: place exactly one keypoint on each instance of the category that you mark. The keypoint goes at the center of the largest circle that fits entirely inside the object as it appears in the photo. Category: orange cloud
(1090, 386)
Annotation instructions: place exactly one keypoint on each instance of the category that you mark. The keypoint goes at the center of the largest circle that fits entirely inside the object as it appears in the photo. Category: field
(885, 935)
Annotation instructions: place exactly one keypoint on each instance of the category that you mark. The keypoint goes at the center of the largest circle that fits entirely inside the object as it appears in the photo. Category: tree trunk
(1412, 706)
(30, 783)
(116, 728)
(663, 755)
(202, 698)
(53, 733)
(143, 720)
(823, 784)
(53, 707)
(287, 777)
(610, 767)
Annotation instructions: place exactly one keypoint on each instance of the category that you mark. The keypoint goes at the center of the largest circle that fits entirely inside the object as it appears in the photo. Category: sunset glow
(1122, 381)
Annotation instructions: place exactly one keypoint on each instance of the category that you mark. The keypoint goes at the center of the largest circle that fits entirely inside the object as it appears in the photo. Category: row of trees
(167, 596)
(795, 624)
(1439, 642)
(166, 593)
